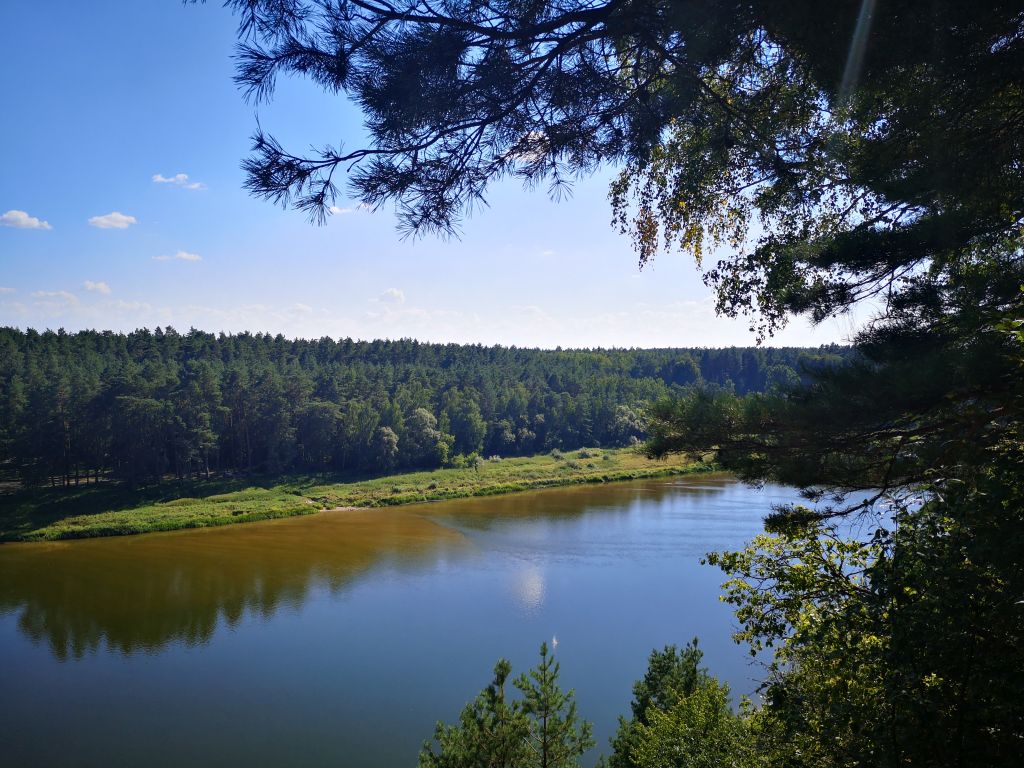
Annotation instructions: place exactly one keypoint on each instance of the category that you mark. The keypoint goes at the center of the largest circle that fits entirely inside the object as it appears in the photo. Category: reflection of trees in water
(571, 502)
(143, 593)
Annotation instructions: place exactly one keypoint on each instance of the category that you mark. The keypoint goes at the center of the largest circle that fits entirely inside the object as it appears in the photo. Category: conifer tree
(539, 730)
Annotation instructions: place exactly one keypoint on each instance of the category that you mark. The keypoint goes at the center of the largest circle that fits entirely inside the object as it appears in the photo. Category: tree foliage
(839, 151)
(895, 622)
(681, 717)
(540, 729)
(147, 404)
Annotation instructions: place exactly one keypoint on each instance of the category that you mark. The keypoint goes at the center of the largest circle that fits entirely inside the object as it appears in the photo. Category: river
(339, 639)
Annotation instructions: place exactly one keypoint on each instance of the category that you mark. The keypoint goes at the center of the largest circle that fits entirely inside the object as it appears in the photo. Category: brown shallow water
(339, 638)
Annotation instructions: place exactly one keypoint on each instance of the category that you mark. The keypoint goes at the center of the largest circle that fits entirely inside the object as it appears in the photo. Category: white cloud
(180, 256)
(5, 289)
(392, 296)
(99, 287)
(55, 297)
(21, 220)
(335, 210)
(178, 180)
(112, 220)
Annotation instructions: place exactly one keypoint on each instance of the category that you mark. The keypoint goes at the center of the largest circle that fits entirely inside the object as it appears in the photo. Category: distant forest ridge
(148, 404)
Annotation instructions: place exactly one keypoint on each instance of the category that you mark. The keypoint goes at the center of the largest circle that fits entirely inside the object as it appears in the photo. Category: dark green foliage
(538, 730)
(149, 404)
(869, 141)
(897, 632)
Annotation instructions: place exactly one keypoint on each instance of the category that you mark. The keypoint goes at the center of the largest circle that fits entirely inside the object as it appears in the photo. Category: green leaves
(491, 732)
(898, 648)
(681, 717)
(541, 729)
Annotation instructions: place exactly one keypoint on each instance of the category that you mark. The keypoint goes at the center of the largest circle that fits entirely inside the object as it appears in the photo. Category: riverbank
(46, 514)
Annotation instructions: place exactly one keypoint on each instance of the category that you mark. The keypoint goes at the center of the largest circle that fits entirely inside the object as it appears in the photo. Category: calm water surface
(339, 639)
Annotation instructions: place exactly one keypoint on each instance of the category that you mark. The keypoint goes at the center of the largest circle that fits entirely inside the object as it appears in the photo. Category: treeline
(145, 405)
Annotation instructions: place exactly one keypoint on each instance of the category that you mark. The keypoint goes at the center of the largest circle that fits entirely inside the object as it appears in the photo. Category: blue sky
(102, 98)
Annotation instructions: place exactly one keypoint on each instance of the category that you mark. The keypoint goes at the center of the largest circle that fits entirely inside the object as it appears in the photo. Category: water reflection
(140, 593)
(528, 589)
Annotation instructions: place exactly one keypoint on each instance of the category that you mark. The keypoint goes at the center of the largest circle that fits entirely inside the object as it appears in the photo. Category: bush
(585, 454)
(556, 454)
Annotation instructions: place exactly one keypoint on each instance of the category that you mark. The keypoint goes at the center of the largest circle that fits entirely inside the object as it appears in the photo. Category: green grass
(110, 509)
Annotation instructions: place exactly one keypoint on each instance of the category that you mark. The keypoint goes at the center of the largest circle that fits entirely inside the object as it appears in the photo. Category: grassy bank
(109, 509)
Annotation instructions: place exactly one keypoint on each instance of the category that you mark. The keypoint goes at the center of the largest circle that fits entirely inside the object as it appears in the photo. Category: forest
(141, 406)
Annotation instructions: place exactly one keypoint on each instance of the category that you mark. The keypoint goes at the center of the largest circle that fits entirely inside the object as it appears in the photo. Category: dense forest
(140, 406)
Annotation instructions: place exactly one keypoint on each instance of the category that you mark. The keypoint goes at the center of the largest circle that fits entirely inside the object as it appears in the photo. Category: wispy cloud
(178, 180)
(99, 287)
(180, 256)
(55, 297)
(21, 220)
(392, 296)
(5, 289)
(112, 220)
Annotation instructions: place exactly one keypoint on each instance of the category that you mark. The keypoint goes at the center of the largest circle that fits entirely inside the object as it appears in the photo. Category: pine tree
(540, 730)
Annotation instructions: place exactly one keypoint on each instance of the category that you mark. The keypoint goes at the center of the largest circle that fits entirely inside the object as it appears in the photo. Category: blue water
(339, 639)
